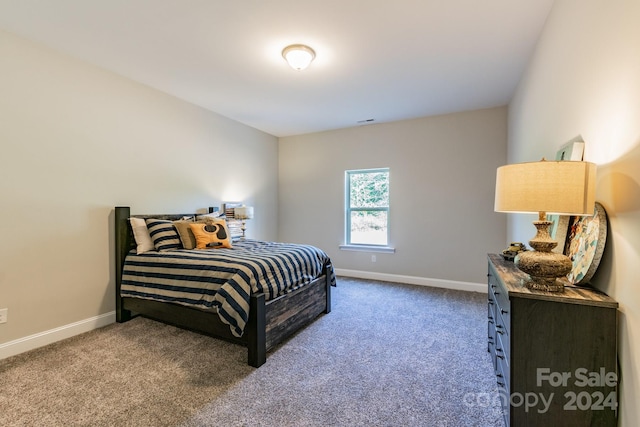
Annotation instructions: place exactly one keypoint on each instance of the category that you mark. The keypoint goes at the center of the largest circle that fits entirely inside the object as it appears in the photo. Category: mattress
(223, 279)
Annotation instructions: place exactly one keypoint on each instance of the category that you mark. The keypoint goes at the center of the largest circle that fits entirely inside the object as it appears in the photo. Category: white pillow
(141, 234)
(212, 215)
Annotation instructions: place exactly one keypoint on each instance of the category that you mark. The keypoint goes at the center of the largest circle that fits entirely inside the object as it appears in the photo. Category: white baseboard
(414, 280)
(41, 339)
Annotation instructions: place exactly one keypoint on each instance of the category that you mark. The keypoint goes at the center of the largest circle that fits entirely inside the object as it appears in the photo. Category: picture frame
(572, 151)
(558, 231)
(586, 239)
(229, 209)
(234, 225)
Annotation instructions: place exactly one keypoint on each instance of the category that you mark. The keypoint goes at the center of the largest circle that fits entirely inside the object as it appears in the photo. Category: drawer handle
(501, 384)
(503, 311)
(490, 302)
(497, 293)
(501, 357)
(499, 375)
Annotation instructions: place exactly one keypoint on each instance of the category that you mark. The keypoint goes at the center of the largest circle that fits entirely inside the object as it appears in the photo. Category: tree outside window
(367, 218)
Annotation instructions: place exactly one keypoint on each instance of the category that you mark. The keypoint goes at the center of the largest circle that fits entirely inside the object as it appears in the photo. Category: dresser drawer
(499, 295)
(491, 338)
(491, 319)
(502, 375)
(491, 329)
(504, 389)
(502, 347)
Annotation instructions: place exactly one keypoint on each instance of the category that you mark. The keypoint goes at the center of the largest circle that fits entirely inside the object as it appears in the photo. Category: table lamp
(557, 187)
(243, 213)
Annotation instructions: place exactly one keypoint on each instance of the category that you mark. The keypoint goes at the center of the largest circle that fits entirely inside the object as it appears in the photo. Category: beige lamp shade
(243, 212)
(556, 187)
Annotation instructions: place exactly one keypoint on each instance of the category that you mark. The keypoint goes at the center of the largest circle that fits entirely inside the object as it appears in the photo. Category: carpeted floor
(387, 355)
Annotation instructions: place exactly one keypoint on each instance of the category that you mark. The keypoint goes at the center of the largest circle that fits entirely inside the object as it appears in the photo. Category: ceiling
(375, 59)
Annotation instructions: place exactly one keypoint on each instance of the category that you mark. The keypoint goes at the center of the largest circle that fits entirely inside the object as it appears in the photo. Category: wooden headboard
(125, 241)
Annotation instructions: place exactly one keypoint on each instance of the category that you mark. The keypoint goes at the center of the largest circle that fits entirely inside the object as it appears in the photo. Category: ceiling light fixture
(298, 56)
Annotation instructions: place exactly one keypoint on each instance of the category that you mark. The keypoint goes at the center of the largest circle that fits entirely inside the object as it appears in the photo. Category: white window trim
(368, 248)
(356, 246)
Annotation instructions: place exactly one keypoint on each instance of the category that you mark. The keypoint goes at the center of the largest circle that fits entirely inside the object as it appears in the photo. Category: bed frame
(270, 322)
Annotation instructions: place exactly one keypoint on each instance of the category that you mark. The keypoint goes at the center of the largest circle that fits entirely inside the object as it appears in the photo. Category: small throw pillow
(213, 233)
(186, 235)
(163, 234)
(141, 235)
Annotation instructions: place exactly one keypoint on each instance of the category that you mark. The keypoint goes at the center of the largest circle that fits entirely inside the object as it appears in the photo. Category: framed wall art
(586, 238)
(572, 150)
(558, 230)
(234, 225)
(229, 209)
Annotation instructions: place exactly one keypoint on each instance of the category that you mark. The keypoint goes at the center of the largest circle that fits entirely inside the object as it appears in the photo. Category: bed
(274, 311)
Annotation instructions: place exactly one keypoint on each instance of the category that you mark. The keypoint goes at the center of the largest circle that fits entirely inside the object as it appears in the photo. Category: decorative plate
(586, 238)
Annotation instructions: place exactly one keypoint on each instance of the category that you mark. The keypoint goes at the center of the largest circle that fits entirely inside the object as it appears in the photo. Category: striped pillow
(164, 235)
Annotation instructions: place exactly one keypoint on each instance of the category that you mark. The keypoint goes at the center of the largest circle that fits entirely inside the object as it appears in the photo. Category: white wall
(585, 80)
(442, 180)
(77, 141)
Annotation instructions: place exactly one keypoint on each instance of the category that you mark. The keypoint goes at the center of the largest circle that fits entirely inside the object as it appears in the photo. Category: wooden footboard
(273, 322)
(269, 323)
(287, 314)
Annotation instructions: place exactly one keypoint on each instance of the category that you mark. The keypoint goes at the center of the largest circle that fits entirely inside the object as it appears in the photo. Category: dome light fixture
(298, 56)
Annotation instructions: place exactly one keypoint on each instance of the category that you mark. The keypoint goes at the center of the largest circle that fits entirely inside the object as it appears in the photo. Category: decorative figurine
(514, 249)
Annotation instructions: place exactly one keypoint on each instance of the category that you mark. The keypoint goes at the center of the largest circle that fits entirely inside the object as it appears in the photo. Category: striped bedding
(223, 279)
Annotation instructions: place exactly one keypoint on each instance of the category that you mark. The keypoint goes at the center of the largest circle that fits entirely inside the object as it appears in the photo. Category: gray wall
(442, 177)
(77, 141)
(584, 79)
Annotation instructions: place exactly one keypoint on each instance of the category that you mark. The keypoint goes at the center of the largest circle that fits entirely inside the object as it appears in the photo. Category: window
(367, 202)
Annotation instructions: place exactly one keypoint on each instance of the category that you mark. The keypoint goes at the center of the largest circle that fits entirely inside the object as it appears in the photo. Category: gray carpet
(387, 355)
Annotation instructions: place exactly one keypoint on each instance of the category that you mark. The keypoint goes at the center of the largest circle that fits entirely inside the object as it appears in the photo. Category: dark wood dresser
(554, 354)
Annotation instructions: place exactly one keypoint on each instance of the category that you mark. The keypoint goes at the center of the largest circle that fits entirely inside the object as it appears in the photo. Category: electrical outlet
(373, 258)
(4, 314)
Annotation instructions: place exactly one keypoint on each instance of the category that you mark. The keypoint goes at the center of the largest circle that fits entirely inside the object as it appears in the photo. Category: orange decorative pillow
(212, 234)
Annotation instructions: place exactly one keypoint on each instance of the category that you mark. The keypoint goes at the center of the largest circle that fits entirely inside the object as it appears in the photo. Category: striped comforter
(223, 279)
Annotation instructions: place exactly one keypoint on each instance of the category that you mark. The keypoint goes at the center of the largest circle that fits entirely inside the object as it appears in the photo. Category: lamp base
(543, 266)
(544, 284)
(243, 228)
(544, 269)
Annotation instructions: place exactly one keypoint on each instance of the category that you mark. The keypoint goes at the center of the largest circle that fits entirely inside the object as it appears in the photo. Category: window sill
(368, 248)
